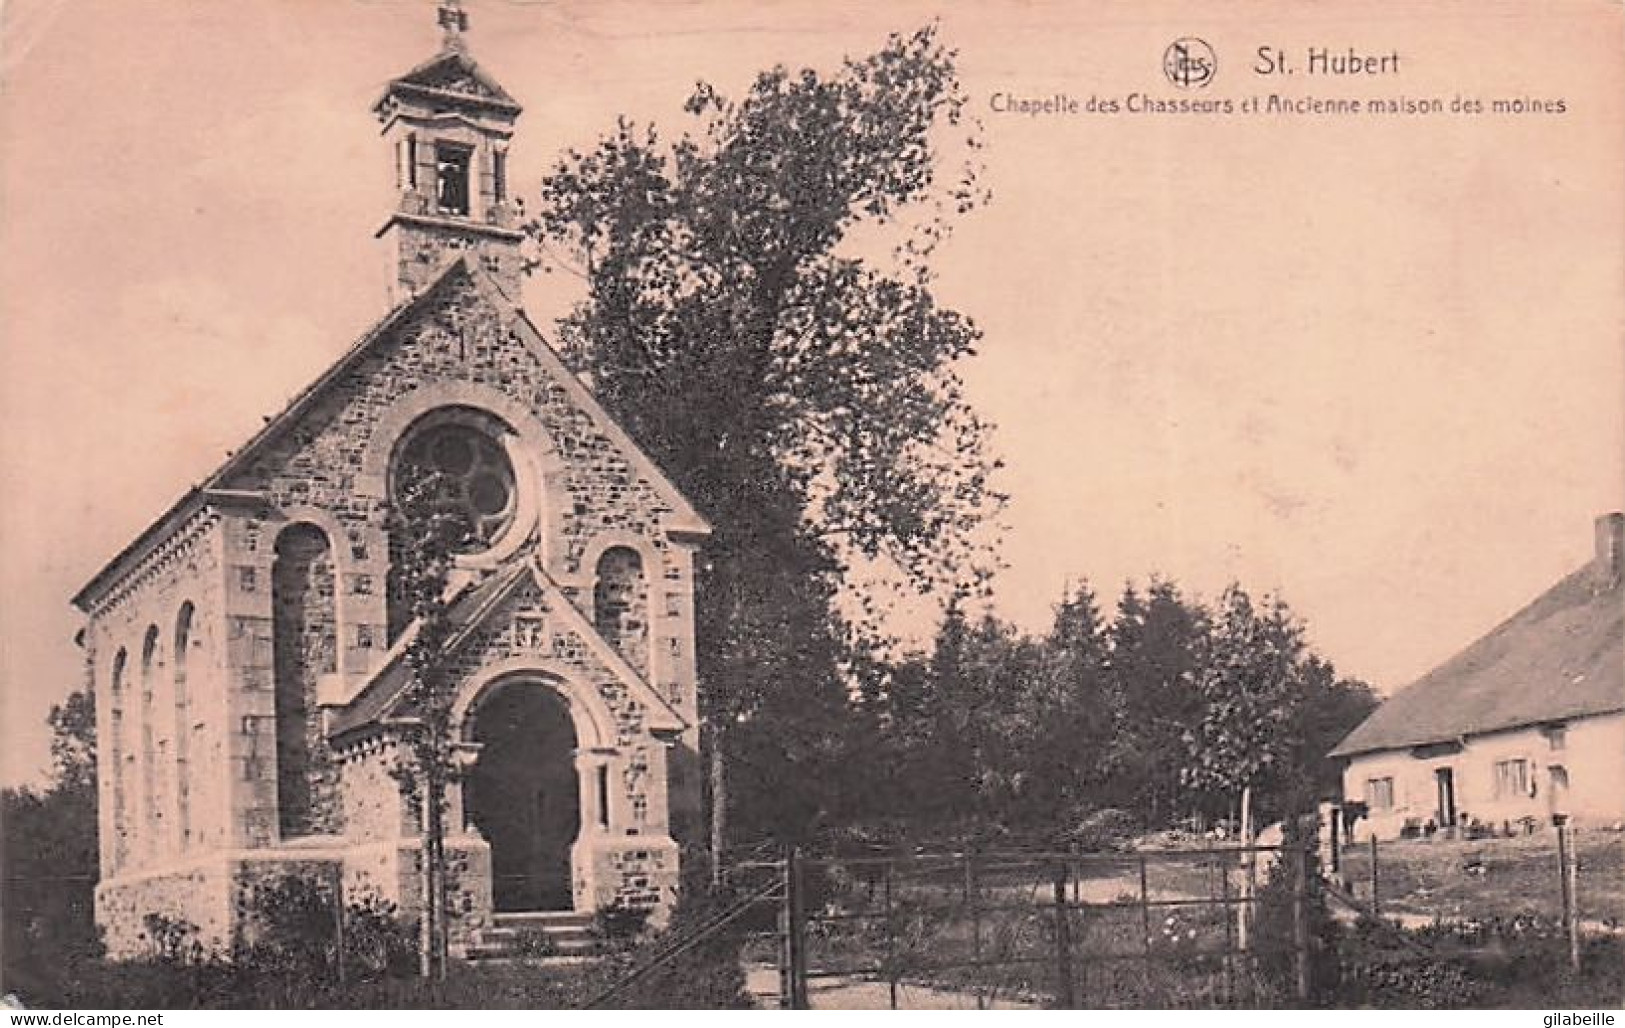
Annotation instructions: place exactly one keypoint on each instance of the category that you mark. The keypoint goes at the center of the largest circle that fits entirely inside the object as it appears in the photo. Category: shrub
(618, 925)
(705, 975)
(294, 934)
(1104, 830)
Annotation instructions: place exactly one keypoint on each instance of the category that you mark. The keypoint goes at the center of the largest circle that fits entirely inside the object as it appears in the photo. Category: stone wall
(198, 894)
(159, 787)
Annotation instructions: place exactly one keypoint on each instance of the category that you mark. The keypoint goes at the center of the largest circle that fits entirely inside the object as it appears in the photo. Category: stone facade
(246, 659)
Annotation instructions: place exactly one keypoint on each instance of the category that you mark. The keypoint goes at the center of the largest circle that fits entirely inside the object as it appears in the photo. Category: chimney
(1610, 562)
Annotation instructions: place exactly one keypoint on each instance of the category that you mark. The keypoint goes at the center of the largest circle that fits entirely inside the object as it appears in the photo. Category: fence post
(1145, 904)
(786, 973)
(1300, 923)
(798, 934)
(1568, 880)
(1376, 907)
(1066, 998)
(973, 898)
(891, 940)
(793, 960)
(338, 919)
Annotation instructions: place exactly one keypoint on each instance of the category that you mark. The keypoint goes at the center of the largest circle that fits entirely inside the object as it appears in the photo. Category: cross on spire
(454, 20)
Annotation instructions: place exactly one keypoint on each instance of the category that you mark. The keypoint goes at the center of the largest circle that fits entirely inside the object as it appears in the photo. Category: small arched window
(152, 825)
(304, 629)
(619, 601)
(120, 757)
(183, 728)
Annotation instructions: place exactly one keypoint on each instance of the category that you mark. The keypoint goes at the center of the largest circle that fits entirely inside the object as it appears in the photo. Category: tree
(73, 743)
(1155, 642)
(1250, 684)
(50, 860)
(424, 537)
(1330, 709)
(1071, 707)
(801, 391)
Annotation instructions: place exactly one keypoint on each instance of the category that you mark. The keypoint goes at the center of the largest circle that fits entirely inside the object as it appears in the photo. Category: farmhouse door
(1445, 779)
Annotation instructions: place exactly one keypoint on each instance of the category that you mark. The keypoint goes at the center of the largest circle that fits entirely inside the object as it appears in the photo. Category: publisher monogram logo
(1189, 63)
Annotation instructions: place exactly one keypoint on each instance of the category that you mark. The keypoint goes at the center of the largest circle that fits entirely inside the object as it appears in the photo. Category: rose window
(460, 473)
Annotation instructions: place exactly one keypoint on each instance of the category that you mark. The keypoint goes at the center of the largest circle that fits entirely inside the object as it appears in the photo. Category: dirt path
(852, 993)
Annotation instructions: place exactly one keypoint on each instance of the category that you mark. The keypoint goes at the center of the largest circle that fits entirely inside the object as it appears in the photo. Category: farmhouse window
(1379, 793)
(1512, 777)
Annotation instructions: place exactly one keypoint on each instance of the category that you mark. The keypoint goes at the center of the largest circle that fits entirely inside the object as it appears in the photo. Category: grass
(1003, 945)
(1453, 879)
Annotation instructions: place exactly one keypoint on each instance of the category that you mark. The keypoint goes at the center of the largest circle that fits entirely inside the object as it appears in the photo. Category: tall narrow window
(120, 758)
(499, 175)
(452, 166)
(302, 605)
(183, 730)
(150, 830)
(412, 161)
(619, 604)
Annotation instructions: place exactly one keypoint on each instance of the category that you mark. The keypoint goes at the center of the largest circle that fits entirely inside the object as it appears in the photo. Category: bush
(1107, 829)
(1376, 969)
(1275, 931)
(618, 926)
(707, 975)
(295, 935)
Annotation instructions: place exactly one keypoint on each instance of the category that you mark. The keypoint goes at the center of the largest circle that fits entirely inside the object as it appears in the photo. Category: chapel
(247, 652)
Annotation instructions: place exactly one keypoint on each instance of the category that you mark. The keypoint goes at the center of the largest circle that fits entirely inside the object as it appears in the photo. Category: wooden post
(798, 935)
(1376, 906)
(891, 941)
(717, 779)
(1300, 923)
(338, 920)
(1065, 996)
(1229, 930)
(1145, 905)
(1244, 909)
(973, 898)
(787, 989)
(1567, 882)
(1337, 843)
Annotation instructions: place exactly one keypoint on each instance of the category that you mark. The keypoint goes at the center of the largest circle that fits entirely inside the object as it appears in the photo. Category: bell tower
(448, 124)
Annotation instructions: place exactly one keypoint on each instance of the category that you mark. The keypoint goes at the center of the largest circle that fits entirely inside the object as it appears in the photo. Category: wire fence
(1198, 928)
(1560, 873)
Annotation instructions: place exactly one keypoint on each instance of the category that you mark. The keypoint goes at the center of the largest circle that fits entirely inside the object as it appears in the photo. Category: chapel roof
(217, 487)
(452, 79)
(383, 698)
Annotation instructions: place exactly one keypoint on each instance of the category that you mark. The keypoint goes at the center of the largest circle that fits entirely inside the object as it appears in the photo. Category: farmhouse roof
(1561, 657)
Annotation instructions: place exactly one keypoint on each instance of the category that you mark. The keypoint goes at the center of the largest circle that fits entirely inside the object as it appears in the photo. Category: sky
(1371, 363)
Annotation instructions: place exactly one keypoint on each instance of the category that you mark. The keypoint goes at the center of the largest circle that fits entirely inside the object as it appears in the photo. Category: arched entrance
(522, 794)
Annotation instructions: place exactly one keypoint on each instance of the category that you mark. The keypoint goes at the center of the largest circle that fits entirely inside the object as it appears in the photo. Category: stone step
(559, 936)
(567, 934)
(542, 919)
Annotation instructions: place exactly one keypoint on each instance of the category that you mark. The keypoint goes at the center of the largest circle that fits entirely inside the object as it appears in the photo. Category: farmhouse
(246, 650)
(1526, 723)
